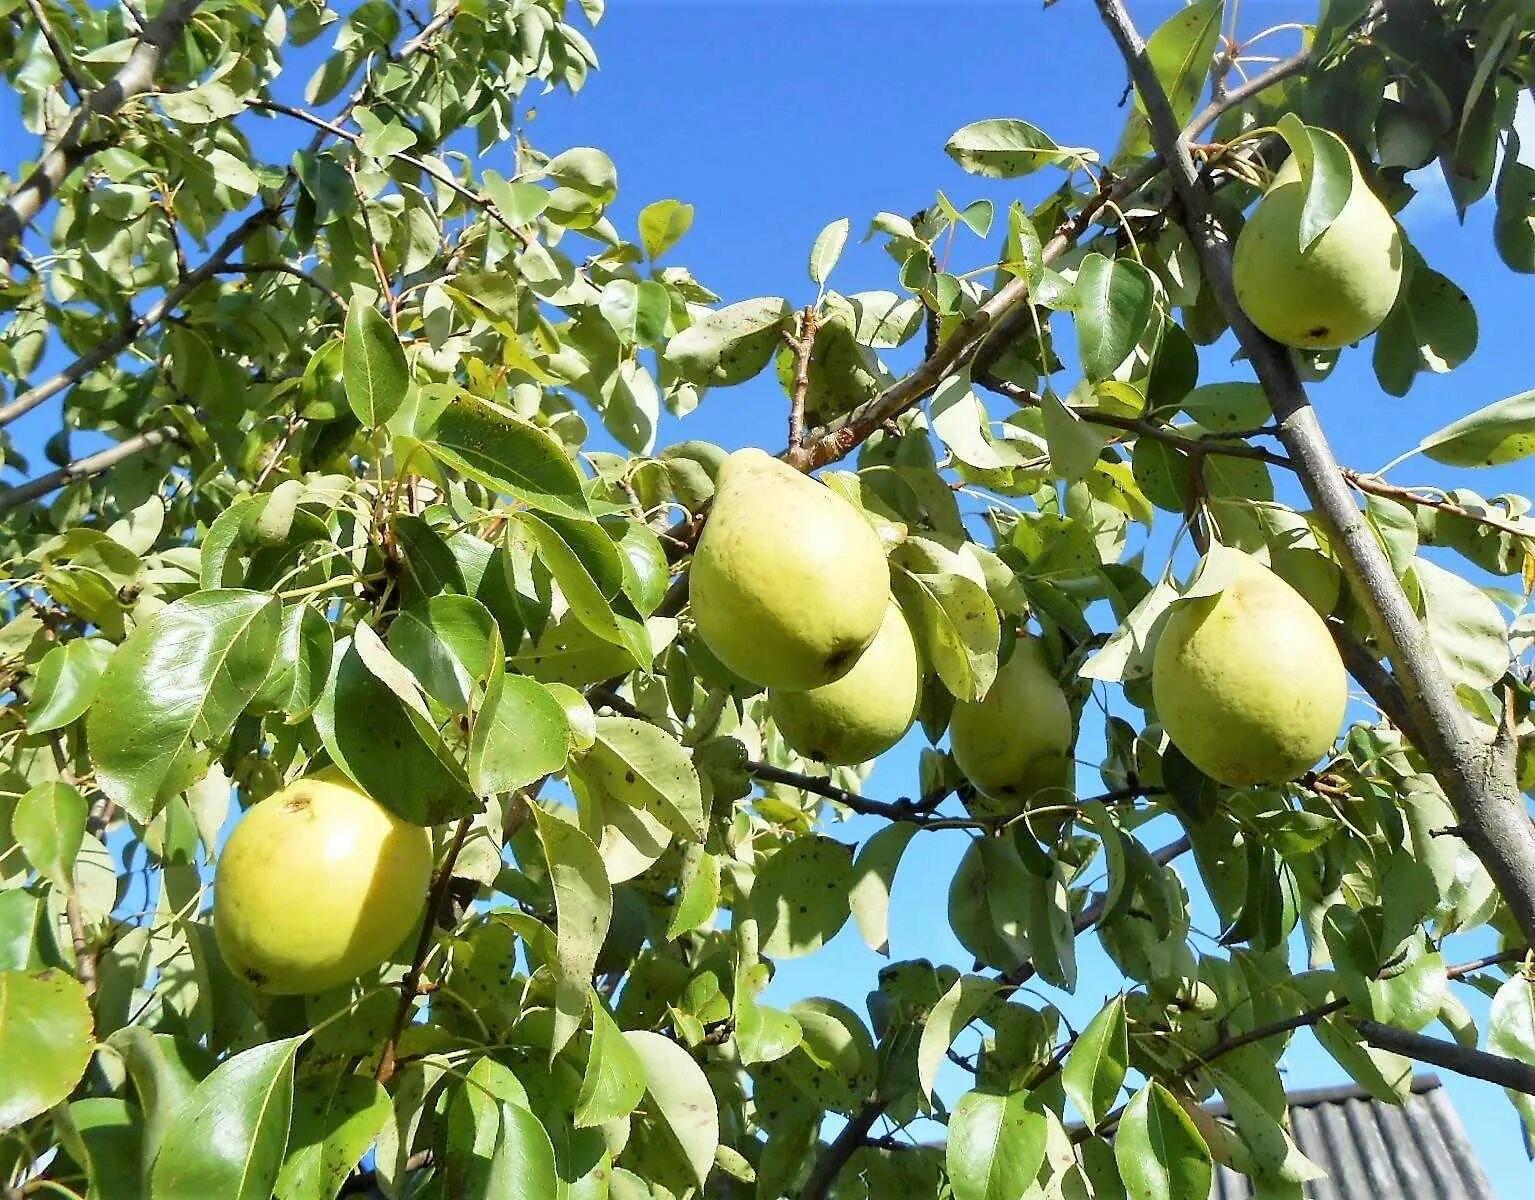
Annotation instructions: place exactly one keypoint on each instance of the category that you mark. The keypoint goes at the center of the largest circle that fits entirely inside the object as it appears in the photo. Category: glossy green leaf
(49, 823)
(520, 735)
(583, 902)
(373, 367)
(641, 766)
(958, 1006)
(663, 224)
(45, 1041)
(376, 729)
(873, 875)
(614, 1081)
(1160, 1153)
(228, 1138)
(1503, 432)
(1007, 149)
(1327, 175)
(335, 1120)
(1115, 302)
(684, 1101)
(995, 1147)
(956, 624)
(1095, 1068)
(801, 896)
(66, 682)
(184, 676)
(504, 452)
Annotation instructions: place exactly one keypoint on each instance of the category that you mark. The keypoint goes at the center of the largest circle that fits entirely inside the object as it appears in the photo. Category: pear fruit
(789, 582)
(1340, 288)
(317, 884)
(868, 710)
(1247, 682)
(1015, 742)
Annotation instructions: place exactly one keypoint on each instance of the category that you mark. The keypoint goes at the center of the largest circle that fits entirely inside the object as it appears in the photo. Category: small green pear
(868, 710)
(789, 582)
(1015, 742)
(1247, 682)
(1336, 292)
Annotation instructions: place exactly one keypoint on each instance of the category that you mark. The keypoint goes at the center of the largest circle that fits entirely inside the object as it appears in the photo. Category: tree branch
(85, 468)
(1485, 796)
(136, 327)
(410, 986)
(1463, 1060)
(1375, 679)
(135, 77)
(841, 1148)
(1377, 486)
(60, 55)
(802, 345)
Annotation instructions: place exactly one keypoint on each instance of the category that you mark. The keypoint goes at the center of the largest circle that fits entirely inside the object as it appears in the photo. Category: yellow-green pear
(789, 582)
(1336, 292)
(1015, 742)
(868, 710)
(1247, 682)
(317, 884)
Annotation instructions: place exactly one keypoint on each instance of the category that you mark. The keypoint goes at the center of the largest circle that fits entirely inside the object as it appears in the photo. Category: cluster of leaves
(378, 535)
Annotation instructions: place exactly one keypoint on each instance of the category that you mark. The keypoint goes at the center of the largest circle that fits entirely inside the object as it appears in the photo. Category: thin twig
(135, 77)
(803, 346)
(60, 55)
(1377, 486)
(85, 468)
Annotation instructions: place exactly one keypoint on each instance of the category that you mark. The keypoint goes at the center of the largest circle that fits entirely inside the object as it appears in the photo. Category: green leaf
(428, 568)
(731, 344)
(1052, 938)
(801, 895)
(996, 1145)
(378, 732)
(111, 1133)
(614, 1082)
(45, 1042)
(228, 1138)
(663, 224)
(828, 249)
(305, 644)
(186, 674)
(957, 626)
(986, 902)
(1510, 1032)
(1007, 149)
(497, 448)
(1160, 1153)
(520, 735)
(958, 1006)
(66, 682)
(1432, 328)
(450, 644)
(1095, 1068)
(583, 905)
(522, 1165)
(164, 1070)
(590, 595)
(336, 1118)
(1074, 443)
(873, 875)
(698, 892)
(684, 1102)
(645, 768)
(49, 823)
(1464, 626)
(1115, 302)
(373, 367)
(1503, 432)
(1326, 172)
(1180, 50)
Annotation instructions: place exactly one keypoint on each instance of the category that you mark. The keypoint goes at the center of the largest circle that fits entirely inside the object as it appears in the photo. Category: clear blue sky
(775, 118)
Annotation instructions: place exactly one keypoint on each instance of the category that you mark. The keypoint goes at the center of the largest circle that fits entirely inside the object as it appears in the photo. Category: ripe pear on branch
(1014, 744)
(317, 884)
(789, 583)
(1336, 290)
(1247, 681)
(867, 711)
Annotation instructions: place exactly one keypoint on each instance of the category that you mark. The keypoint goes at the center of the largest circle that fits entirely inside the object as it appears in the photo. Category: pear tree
(419, 750)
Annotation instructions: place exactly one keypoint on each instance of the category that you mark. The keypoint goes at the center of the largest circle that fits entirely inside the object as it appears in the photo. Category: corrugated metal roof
(1376, 1151)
